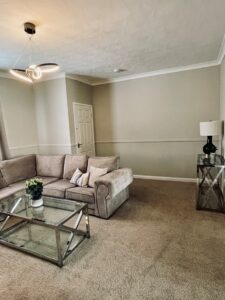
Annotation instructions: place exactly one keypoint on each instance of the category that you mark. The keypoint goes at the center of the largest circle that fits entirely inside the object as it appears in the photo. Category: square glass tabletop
(54, 211)
(214, 160)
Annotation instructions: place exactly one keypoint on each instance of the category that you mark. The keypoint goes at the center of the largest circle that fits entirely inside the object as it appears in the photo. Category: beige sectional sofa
(109, 191)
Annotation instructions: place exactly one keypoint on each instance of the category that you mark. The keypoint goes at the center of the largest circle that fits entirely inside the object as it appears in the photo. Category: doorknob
(78, 145)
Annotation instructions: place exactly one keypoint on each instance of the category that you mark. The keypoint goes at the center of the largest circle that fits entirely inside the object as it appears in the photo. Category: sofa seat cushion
(18, 169)
(21, 185)
(50, 165)
(9, 191)
(47, 180)
(82, 194)
(57, 189)
(73, 162)
(109, 162)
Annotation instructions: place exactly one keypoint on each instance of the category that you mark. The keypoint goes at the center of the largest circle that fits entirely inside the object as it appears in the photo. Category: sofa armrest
(111, 191)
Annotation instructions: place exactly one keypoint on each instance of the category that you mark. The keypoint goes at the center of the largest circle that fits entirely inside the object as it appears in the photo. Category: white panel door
(84, 129)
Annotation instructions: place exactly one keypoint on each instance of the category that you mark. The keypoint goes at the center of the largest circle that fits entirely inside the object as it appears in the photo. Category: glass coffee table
(51, 232)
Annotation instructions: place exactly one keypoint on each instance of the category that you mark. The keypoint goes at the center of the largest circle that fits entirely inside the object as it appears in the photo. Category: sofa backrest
(73, 162)
(18, 169)
(50, 165)
(59, 166)
(109, 162)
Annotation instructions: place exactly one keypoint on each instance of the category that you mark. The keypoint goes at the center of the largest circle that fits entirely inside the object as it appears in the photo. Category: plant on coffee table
(34, 187)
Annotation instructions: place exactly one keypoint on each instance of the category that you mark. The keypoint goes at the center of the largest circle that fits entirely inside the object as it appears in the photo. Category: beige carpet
(156, 246)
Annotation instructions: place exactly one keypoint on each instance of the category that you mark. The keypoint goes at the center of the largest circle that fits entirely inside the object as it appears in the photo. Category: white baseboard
(165, 178)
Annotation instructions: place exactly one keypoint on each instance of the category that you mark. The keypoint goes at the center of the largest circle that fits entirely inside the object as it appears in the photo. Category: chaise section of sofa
(88, 194)
(108, 193)
(112, 191)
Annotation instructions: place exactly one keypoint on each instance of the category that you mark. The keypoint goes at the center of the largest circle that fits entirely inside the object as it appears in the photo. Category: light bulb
(34, 72)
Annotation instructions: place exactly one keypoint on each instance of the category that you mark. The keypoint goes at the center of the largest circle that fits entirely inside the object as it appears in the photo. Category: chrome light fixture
(32, 72)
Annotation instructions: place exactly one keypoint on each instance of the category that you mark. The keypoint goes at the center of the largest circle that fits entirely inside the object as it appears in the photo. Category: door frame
(74, 122)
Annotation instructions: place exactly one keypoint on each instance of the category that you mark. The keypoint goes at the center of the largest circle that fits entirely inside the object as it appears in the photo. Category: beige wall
(19, 116)
(76, 92)
(222, 97)
(153, 123)
(52, 117)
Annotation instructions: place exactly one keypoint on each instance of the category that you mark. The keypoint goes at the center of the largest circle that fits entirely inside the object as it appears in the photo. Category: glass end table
(210, 183)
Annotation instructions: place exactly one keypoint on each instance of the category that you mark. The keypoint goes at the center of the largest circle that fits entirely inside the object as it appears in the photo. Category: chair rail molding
(23, 150)
(55, 149)
(176, 140)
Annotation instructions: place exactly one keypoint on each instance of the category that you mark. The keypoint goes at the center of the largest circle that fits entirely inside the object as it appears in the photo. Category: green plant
(34, 187)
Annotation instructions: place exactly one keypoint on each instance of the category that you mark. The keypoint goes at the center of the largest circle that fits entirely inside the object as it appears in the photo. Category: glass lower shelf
(35, 238)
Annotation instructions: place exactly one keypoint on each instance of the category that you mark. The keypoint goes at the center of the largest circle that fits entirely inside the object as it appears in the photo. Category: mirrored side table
(210, 183)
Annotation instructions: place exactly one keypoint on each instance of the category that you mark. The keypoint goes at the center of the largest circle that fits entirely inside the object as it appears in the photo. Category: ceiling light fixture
(32, 72)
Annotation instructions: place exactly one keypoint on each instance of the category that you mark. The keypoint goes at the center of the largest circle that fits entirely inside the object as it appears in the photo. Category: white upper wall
(39, 118)
(52, 116)
(19, 116)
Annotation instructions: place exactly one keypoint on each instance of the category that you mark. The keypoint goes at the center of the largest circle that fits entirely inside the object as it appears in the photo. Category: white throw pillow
(95, 173)
(83, 180)
(76, 175)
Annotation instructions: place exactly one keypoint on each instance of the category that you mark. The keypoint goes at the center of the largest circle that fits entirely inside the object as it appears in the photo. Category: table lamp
(210, 129)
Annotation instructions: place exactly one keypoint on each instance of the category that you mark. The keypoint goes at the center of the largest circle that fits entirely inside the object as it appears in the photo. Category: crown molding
(46, 78)
(212, 63)
(51, 77)
(159, 72)
(78, 78)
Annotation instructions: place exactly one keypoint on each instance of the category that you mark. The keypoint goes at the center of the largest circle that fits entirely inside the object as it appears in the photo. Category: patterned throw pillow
(83, 180)
(76, 176)
(79, 178)
(95, 173)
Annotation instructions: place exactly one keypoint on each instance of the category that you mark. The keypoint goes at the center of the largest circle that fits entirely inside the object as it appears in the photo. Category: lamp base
(209, 148)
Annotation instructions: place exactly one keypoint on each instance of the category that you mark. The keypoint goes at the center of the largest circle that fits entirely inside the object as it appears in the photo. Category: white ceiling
(92, 37)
